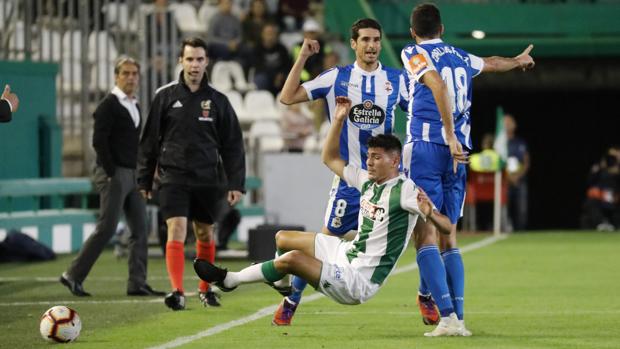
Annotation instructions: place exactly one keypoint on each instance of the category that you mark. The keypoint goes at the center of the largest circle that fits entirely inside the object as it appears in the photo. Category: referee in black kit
(193, 140)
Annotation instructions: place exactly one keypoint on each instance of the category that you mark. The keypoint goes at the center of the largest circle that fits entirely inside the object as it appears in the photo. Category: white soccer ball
(60, 324)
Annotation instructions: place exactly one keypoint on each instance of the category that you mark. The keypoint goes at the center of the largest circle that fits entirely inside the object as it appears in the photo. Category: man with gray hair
(115, 139)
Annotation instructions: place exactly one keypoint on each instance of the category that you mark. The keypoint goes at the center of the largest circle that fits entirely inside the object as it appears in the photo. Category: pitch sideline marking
(270, 309)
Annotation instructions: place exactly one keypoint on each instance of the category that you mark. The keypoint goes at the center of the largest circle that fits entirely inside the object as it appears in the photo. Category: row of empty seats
(267, 136)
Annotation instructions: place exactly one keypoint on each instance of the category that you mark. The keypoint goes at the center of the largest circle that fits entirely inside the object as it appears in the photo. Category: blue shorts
(429, 165)
(341, 215)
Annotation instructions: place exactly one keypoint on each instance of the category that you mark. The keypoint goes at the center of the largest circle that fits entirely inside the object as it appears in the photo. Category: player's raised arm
(292, 91)
(442, 100)
(331, 149)
(498, 64)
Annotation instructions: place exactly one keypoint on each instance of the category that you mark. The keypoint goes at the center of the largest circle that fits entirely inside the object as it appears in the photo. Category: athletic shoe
(285, 291)
(175, 300)
(428, 309)
(212, 274)
(209, 298)
(284, 314)
(463, 331)
(448, 326)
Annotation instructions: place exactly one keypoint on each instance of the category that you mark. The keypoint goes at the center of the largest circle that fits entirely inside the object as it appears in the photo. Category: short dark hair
(193, 42)
(363, 24)
(426, 20)
(386, 142)
(124, 60)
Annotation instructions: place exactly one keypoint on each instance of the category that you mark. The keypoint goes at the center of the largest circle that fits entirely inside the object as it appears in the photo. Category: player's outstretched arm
(441, 222)
(331, 149)
(292, 91)
(442, 100)
(498, 64)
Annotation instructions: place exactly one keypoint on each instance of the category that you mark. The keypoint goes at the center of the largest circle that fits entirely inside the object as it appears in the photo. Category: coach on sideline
(8, 104)
(115, 139)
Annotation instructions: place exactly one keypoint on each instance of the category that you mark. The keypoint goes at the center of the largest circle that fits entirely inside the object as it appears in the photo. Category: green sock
(270, 273)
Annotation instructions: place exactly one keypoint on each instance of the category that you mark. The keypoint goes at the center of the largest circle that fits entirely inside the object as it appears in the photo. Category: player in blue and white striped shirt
(375, 92)
(438, 143)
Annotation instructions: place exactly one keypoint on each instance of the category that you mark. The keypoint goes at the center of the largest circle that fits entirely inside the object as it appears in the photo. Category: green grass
(537, 290)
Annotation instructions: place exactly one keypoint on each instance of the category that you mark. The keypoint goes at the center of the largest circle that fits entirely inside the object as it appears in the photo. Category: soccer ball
(60, 324)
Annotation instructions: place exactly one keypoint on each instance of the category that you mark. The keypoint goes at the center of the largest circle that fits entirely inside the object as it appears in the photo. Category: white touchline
(109, 301)
(270, 309)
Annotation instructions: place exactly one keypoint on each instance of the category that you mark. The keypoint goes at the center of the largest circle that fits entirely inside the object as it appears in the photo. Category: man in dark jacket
(8, 104)
(193, 140)
(115, 139)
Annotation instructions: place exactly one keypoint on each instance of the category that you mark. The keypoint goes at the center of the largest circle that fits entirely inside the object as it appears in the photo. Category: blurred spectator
(162, 36)
(314, 64)
(271, 61)
(292, 13)
(224, 31)
(297, 125)
(254, 22)
(518, 165)
(481, 184)
(601, 210)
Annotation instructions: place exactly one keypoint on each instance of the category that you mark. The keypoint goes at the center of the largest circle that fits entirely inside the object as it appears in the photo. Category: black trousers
(119, 194)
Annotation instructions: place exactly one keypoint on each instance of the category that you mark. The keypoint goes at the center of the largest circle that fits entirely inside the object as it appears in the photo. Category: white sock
(285, 281)
(253, 273)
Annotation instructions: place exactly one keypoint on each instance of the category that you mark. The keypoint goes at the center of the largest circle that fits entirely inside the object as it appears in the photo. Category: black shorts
(202, 204)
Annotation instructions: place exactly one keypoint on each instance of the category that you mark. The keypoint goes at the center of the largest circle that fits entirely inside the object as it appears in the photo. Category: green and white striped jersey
(388, 213)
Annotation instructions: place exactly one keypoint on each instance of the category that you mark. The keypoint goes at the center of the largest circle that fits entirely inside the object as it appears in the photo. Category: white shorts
(339, 280)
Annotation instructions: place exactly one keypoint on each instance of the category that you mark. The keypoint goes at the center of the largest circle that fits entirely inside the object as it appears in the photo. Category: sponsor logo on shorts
(326, 285)
(337, 273)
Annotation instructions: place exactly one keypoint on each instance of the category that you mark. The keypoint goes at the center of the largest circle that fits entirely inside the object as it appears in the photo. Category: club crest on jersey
(367, 115)
(206, 110)
(388, 87)
(372, 211)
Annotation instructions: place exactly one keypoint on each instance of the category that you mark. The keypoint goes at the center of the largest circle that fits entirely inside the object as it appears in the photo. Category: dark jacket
(5, 111)
(192, 138)
(115, 137)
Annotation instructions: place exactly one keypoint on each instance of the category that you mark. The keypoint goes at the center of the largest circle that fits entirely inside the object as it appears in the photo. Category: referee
(193, 140)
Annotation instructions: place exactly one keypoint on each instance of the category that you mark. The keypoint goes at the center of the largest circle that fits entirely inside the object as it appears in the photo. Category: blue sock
(299, 285)
(456, 278)
(423, 287)
(434, 274)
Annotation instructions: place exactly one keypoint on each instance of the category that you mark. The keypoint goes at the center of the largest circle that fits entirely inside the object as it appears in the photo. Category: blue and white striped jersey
(374, 96)
(457, 69)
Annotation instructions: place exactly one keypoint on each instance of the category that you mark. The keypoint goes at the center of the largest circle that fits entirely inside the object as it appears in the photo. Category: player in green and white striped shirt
(349, 272)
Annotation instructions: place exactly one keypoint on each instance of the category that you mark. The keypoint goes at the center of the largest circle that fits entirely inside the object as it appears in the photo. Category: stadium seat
(205, 14)
(289, 39)
(72, 44)
(102, 76)
(227, 75)
(236, 101)
(50, 46)
(17, 42)
(186, 18)
(262, 103)
(117, 16)
(71, 73)
(266, 136)
(101, 47)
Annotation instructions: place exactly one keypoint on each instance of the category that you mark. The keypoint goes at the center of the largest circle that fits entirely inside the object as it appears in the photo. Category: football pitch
(536, 290)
